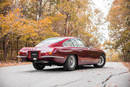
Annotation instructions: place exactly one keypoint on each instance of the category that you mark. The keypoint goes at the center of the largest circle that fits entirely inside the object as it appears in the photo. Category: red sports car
(69, 52)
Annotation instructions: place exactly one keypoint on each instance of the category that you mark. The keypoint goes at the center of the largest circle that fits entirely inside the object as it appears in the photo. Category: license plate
(34, 58)
(34, 54)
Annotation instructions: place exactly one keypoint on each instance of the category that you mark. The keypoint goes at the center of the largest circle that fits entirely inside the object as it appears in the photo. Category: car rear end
(49, 56)
(45, 53)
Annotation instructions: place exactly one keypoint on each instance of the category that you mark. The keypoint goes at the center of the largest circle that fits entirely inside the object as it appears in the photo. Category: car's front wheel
(70, 63)
(38, 66)
(101, 62)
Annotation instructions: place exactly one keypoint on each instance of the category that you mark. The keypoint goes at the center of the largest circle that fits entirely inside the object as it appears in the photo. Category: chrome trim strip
(65, 50)
(52, 57)
(21, 56)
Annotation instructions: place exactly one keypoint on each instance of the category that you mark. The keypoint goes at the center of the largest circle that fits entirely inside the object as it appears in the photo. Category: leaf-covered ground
(12, 64)
(127, 64)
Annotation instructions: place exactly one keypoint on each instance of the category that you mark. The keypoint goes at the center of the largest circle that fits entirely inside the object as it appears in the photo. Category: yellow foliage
(25, 28)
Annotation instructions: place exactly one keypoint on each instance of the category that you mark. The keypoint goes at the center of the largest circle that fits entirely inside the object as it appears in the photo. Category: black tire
(101, 62)
(70, 63)
(38, 66)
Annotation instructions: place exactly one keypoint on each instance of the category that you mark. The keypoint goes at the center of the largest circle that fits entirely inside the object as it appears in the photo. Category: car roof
(64, 37)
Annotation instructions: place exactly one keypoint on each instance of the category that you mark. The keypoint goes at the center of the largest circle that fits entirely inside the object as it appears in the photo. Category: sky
(104, 6)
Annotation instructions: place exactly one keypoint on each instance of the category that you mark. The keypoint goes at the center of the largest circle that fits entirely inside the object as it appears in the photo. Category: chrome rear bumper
(60, 57)
(21, 56)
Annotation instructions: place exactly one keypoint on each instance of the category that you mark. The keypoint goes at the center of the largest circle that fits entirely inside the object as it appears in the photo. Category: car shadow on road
(61, 69)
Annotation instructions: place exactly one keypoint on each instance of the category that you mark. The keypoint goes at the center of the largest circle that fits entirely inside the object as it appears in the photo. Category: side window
(74, 43)
(68, 43)
(80, 44)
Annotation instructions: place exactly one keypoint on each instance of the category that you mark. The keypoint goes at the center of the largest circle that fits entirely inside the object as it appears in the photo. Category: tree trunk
(66, 26)
(11, 48)
(17, 47)
(5, 45)
(4, 50)
(40, 8)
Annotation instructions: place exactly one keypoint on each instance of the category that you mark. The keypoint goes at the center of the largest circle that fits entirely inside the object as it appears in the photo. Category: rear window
(68, 43)
(49, 41)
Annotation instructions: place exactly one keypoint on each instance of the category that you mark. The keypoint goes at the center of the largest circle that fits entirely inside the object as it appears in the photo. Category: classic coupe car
(69, 52)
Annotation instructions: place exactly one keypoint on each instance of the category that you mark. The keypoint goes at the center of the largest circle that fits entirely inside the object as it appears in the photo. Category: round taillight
(22, 53)
(43, 54)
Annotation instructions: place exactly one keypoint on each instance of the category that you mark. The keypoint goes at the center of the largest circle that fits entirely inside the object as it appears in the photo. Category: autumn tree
(15, 28)
(5, 6)
(30, 21)
(119, 18)
(68, 17)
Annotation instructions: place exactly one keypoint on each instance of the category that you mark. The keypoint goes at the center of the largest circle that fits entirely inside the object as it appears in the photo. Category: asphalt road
(112, 75)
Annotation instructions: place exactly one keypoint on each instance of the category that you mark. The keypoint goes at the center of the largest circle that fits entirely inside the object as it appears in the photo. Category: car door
(75, 46)
(80, 51)
(86, 55)
(92, 54)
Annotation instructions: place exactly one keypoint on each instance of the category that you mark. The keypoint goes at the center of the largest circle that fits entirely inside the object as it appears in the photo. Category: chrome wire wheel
(101, 61)
(70, 63)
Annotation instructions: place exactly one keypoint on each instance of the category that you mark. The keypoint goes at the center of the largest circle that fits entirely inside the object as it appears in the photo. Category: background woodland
(27, 22)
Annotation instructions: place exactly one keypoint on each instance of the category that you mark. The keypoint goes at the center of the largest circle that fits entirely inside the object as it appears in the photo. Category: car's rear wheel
(70, 63)
(101, 62)
(38, 66)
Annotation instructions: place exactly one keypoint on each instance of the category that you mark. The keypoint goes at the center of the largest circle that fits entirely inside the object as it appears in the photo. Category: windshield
(49, 41)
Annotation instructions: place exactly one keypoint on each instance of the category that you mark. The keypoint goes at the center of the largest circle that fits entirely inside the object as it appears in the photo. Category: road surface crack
(67, 83)
(104, 83)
